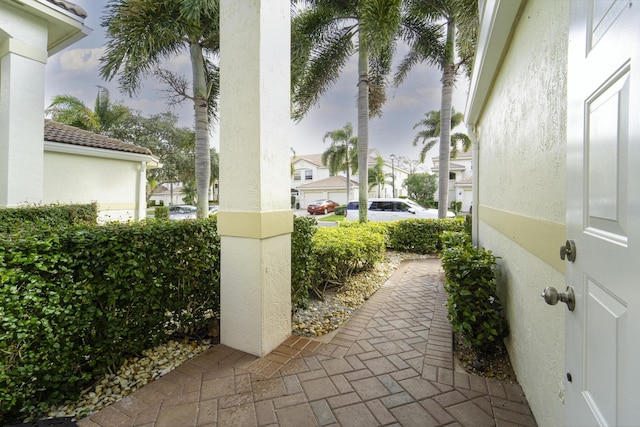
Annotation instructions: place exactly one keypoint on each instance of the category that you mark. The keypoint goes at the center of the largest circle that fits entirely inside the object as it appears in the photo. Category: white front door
(603, 214)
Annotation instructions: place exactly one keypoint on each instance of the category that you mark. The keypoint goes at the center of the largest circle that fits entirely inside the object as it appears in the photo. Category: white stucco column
(255, 220)
(22, 74)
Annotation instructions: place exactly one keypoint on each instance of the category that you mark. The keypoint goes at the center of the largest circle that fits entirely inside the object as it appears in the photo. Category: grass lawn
(332, 218)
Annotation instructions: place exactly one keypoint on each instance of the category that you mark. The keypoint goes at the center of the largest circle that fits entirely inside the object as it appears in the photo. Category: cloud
(80, 60)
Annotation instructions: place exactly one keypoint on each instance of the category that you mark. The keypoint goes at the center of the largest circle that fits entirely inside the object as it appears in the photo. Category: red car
(323, 206)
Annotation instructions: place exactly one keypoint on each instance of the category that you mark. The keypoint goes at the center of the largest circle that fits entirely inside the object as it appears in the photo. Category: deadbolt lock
(568, 251)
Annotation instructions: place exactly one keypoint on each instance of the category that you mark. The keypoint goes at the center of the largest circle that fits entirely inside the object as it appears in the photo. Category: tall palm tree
(431, 131)
(430, 28)
(142, 33)
(339, 156)
(325, 34)
(104, 117)
(377, 175)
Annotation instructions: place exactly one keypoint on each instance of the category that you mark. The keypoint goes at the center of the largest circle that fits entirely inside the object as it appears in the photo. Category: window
(308, 175)
(296, 176)
(452, 175)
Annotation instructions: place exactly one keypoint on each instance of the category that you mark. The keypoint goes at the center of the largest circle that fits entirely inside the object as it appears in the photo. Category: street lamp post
(393, 176)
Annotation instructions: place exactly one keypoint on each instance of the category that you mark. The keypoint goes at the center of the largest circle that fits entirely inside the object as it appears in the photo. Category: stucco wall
(521, 195)
(70, 178)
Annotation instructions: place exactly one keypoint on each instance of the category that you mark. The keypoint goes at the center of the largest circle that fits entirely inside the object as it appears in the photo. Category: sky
(75, 71)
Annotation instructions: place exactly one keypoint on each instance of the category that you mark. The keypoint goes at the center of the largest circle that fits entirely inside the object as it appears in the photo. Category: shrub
(382, 228)
(452, 239)
(340, 210)
(343, 251)
(78, 301)
(161, 212)
(474, 308)
(15, 219)
(303, 262)
(421, 235)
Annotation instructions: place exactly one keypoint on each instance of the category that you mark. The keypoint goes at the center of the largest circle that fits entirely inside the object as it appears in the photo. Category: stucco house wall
(517, 117)
(72, 178)
(83, 167)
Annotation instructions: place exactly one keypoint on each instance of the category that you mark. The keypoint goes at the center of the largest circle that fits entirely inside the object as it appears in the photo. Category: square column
(21, 123)
(255, 219)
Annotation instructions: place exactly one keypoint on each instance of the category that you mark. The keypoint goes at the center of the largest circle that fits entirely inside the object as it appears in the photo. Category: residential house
(52, 162)
(168, 194)
(84, 167)
(552, 112)
(312, 180)
(460, 179)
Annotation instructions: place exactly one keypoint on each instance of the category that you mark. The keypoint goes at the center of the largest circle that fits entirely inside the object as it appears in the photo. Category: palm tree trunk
(203, 154)
(448, 78)
(363, 126)
(348, 171)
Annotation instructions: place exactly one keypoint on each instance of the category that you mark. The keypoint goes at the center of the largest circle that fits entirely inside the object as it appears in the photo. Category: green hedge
(15, 219)
(343, 251)
(421, 235)
(78, 301)
(303, 261)
(473, 305)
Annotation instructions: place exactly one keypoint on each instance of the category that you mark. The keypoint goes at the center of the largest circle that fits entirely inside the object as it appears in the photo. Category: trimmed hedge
(422, 236)
(78, 301)
(342, 251)
(15, 219)
(303, 262)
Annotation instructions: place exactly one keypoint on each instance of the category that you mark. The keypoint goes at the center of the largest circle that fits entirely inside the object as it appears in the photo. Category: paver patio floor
(391, 364)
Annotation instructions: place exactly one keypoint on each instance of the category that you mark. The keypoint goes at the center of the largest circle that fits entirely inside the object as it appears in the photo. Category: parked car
(182, 212)
(392, 210)
(323, 206)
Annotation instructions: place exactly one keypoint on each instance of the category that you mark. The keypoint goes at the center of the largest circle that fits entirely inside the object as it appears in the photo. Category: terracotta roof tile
(58, 132)
(331, 182)
(71, 7)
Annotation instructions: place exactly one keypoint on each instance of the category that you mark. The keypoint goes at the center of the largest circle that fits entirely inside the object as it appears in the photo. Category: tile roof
(331, 182)
(58, 132)
(466, 181)
(70, 7)
(452, 167)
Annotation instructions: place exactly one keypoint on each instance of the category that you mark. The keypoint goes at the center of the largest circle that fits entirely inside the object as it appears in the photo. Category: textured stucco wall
(70, 178)
(521, 168)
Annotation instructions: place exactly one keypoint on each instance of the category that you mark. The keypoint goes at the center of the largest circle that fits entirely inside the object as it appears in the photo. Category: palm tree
(344, 147)
(377, 175)
(431, 131)
(325, 34)
(430, 28)
(104, 117)
(141, 33)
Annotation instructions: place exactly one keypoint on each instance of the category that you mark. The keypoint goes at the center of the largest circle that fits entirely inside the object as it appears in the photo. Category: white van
(392, 210)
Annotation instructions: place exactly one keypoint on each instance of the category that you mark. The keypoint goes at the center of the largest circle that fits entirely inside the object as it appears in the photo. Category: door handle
(568, 251)
(552, 296)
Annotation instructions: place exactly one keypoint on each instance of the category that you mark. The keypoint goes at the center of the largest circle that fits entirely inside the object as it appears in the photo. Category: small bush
(421, 235)
(340, 210)
(343, 251)
(16, 219)
(161, 212)
(474, 308)
(303, 263)
(451, 239)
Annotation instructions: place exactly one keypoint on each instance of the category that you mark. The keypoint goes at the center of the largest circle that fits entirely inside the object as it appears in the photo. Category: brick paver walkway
(391, 364)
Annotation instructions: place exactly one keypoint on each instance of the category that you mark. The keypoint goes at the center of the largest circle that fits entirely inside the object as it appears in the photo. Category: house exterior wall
(23, 54)
(114, 184)
(520, 138)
